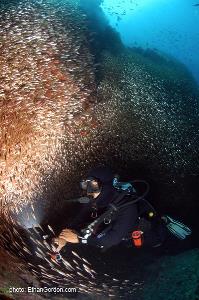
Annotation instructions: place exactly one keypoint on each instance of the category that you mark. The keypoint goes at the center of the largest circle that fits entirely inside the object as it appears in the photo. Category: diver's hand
(69, 236)
(58, 244)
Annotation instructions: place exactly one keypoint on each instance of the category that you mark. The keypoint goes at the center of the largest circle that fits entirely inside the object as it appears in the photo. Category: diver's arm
(68, 234)
(126, 219)
(81, 217)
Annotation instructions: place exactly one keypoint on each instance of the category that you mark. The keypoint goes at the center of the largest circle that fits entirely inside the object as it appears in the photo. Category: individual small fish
(26, 250)
(41, 267)
(38, 242)
(55, 281)
(70, 276)
(32, 207)
(68, 265)
(60, 272)
(32, 239)
(31, 265)
(33, 215)
(74, 253)
(80, 274)
(88, 270)
(86, 261)
(50, 228)
(75, 262)
(39, 255)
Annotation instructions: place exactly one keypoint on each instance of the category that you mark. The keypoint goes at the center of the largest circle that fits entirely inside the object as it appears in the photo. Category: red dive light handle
(137, 238)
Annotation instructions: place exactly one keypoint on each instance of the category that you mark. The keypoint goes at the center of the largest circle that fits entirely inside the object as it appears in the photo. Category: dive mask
(90, 185)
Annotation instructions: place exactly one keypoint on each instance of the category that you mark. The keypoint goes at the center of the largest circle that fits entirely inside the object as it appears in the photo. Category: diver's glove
(180, 230)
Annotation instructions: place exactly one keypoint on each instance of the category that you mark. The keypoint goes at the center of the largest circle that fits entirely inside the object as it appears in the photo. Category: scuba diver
(112, 212)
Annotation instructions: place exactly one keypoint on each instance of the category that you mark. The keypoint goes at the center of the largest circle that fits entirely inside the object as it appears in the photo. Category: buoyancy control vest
(124, 189)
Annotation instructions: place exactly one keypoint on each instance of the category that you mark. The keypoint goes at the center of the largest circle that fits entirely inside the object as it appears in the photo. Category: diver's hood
(106, 196)
(104, 174)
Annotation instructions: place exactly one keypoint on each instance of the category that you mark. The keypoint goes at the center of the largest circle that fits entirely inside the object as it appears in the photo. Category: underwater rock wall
(173, 278)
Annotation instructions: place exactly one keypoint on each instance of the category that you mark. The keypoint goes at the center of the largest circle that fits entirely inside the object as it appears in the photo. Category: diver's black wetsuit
(126, 220)
(123, 224)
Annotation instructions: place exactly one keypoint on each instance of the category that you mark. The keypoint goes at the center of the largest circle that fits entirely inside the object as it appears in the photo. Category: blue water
(170, 26)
